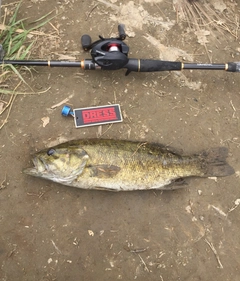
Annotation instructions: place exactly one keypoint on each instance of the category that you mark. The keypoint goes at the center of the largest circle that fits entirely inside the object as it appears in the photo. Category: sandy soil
(52, 232)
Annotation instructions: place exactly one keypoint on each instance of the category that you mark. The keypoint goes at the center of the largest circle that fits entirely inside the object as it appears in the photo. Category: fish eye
(50, 152)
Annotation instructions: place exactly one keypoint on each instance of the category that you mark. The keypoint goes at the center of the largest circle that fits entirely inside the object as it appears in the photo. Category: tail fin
(215, 161)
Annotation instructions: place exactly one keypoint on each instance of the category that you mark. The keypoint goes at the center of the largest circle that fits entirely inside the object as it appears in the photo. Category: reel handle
(87, 44)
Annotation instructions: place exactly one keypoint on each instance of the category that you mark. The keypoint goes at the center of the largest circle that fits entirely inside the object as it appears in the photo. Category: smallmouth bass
(120, 165)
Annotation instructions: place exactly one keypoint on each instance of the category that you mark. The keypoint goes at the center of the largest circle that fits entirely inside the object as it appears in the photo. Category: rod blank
(42, 63)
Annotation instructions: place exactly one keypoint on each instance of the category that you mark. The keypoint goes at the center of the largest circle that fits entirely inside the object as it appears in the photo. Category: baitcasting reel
(107, 53)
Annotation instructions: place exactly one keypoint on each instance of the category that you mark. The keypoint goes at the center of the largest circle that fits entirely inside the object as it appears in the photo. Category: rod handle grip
(158, 65)
(146, 65)
(233, 67)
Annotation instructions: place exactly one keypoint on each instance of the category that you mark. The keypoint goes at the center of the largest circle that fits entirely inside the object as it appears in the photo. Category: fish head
(59, 164)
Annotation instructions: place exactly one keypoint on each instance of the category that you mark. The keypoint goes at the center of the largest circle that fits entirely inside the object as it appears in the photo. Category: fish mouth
(40, 168)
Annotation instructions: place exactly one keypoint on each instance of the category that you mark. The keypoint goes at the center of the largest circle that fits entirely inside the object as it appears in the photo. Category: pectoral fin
(104, 170)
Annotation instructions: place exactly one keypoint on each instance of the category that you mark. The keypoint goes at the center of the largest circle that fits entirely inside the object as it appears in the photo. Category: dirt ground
(53, 232)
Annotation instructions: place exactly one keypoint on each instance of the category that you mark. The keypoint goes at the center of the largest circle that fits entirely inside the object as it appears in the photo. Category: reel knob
(86, 42)
(121, 32)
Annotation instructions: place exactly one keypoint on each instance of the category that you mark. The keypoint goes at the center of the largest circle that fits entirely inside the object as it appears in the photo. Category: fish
(124, 165)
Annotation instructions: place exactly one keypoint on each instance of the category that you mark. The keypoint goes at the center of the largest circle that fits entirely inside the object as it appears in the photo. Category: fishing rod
(112, 54)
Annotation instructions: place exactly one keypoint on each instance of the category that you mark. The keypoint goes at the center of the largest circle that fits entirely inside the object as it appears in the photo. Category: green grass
(14, 38)
(15, 42)
(18, 40)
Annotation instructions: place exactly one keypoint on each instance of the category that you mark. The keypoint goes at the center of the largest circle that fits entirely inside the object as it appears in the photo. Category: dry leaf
(45, 121)
(90, 232)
